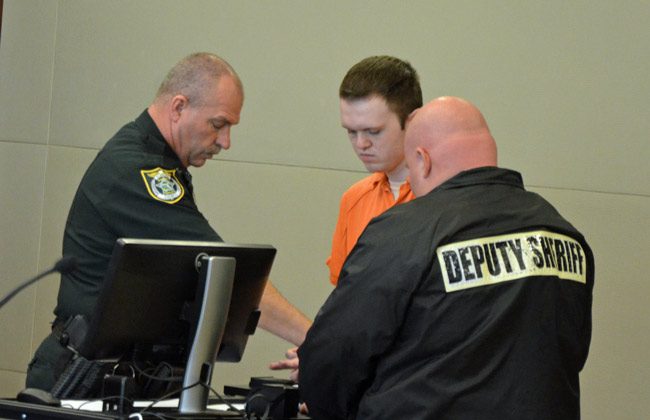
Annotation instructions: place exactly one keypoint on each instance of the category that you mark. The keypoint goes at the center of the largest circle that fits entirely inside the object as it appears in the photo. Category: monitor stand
(216, 275)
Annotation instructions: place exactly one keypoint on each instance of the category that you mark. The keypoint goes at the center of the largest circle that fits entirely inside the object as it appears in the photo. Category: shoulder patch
(163, 185)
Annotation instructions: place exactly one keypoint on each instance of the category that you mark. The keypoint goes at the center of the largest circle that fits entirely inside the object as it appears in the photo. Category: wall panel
(26, 60)
(22, 171)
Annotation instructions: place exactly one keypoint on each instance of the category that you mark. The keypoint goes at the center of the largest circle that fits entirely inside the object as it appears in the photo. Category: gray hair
(194, 74)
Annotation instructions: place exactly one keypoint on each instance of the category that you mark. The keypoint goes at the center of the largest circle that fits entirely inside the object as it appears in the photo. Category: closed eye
(218, 124)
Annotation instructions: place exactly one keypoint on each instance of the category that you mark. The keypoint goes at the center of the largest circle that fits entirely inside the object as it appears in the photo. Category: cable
(148, 411)
(167, 416)
(144, 373)
(223, 401)
(164, 397)
(64, 266)
(110, 397)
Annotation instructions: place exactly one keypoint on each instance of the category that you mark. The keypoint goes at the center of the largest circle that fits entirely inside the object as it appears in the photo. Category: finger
(294, 375)
(292, 353)
(303, 408)
(284, 364)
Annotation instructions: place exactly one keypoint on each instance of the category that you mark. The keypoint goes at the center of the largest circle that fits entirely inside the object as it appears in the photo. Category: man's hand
(290, 363)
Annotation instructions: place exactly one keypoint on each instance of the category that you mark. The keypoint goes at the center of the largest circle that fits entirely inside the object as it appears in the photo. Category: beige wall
(564, 86)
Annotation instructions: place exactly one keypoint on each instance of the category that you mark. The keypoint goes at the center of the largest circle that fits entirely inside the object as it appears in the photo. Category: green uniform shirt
(135, 188)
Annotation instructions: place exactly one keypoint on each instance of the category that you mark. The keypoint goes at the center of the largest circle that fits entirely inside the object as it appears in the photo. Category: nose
(362, 142)
(223, 140)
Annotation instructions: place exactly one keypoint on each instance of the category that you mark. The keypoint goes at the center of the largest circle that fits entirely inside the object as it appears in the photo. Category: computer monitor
(201, 295)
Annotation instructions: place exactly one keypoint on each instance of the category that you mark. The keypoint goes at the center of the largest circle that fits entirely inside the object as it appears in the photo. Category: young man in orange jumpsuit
(376, 97)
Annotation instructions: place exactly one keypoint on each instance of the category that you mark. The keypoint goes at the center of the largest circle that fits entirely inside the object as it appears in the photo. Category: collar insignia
(163, 185)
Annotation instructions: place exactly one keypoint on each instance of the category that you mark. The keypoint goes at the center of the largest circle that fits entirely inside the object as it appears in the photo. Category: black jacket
(472, 302)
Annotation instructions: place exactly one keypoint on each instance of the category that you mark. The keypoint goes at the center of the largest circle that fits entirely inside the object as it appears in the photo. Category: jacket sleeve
(355, 326)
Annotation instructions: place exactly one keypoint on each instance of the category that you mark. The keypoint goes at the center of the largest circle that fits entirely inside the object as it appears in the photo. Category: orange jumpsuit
(363, 201)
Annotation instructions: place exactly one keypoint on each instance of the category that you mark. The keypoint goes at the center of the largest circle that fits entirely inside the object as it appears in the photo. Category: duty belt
(58, 326)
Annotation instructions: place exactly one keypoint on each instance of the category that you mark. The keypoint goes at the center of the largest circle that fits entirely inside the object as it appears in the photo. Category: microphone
(64, 266)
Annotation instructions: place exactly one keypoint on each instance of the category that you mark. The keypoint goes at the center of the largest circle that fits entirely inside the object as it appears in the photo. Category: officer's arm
(281, 318)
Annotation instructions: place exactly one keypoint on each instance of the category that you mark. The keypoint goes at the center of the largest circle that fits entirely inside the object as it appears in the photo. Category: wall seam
(47, 157)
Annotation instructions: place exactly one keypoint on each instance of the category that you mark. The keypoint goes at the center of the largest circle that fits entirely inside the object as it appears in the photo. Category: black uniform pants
(49, 362)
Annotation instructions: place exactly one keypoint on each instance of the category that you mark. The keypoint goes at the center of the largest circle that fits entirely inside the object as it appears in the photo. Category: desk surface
(91, 410)
(83, 410)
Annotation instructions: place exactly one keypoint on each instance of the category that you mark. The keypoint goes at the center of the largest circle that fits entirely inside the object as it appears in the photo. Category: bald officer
(472, 301)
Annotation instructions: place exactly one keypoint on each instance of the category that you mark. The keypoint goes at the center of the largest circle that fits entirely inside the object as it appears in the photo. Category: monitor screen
(151, 296)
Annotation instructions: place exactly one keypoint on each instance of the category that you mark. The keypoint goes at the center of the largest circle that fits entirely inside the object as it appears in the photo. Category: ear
(177, 104)
(424, 160)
